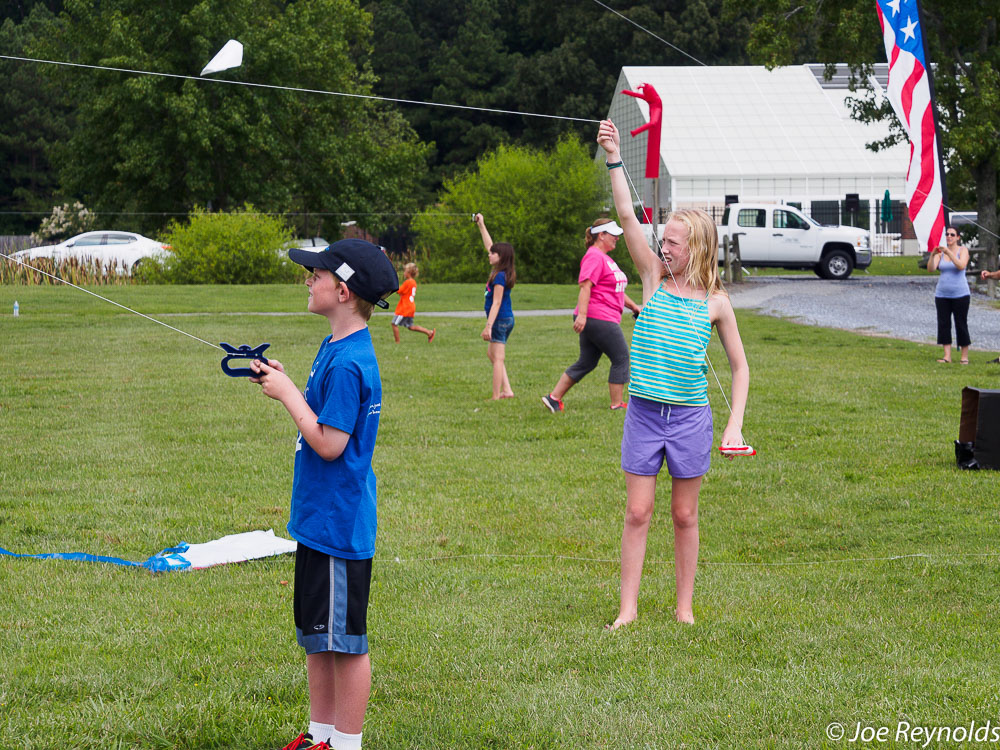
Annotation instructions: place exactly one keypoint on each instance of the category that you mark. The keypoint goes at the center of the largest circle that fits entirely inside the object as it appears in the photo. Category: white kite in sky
(230, 56)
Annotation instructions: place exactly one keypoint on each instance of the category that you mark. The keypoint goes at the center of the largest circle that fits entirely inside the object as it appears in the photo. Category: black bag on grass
(979, 430)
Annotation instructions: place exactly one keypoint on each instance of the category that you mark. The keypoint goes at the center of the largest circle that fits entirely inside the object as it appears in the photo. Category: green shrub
(242, 247)
(541, 202)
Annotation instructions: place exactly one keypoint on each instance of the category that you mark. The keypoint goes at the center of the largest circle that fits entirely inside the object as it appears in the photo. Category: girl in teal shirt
(669, 419)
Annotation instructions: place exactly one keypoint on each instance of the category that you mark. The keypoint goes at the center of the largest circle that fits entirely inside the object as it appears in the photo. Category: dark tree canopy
(555, 57)
(151, 146)
(33, 117)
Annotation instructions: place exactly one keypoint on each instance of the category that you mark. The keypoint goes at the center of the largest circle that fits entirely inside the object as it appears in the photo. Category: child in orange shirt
(406, 307)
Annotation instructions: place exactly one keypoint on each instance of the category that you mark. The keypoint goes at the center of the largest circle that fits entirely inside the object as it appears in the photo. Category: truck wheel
(836, 265)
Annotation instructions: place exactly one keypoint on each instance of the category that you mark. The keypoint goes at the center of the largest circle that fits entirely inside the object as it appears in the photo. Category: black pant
(959, 307)
(601, 337)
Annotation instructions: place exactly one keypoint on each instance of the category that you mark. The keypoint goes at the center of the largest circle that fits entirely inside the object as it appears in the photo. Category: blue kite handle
(241, 352)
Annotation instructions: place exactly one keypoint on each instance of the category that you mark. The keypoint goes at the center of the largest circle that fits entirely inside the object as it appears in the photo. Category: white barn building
(782, 136)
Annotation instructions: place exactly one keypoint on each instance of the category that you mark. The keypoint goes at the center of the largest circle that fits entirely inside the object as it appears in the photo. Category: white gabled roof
(746, 122)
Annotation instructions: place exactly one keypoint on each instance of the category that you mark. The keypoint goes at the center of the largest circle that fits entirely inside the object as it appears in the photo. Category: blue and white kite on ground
(250, 545)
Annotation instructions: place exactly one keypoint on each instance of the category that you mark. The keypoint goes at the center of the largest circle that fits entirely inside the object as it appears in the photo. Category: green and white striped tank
(668, 350)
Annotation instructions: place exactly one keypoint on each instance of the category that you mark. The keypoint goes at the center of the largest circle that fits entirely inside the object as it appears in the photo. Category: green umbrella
(886, 208)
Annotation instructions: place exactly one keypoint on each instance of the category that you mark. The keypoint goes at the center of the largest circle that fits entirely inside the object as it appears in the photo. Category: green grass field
(848, 572)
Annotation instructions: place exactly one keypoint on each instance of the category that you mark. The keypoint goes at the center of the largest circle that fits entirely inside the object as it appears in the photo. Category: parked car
(314, 244)
(782, 236)
(309, 243)
(121, 251)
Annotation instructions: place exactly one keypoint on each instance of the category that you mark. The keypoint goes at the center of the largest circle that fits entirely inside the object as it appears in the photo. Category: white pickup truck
(782, 236)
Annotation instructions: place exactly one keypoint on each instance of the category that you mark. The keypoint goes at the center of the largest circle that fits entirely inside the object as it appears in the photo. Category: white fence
(887, 244)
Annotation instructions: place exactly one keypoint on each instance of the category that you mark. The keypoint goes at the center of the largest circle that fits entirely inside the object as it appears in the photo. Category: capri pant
(601, 337)
(959, 307)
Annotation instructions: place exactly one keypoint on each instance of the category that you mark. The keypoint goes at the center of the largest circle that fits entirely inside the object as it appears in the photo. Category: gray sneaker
(552, 404)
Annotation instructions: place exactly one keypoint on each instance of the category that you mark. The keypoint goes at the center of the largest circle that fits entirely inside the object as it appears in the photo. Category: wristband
(611, 166)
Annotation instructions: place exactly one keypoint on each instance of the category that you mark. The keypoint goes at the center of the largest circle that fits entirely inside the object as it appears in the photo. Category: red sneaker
(305, 742)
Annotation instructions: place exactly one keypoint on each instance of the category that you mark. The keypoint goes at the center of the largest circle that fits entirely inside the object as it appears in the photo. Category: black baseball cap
(364, 267)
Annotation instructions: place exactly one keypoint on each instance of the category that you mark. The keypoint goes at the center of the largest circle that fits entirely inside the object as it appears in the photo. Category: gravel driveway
(898, 306)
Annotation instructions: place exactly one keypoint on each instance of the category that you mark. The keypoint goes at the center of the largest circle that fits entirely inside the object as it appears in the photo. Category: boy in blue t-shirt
(333, 508)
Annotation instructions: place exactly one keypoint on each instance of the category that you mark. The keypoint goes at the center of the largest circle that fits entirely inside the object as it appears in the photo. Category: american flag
(909, 91)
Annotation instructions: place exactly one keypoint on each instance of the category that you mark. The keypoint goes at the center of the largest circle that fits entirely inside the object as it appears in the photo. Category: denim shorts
(501, 330)
(679, 435)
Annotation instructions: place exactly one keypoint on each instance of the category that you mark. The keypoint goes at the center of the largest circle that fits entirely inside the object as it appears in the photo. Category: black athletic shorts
(331, 602)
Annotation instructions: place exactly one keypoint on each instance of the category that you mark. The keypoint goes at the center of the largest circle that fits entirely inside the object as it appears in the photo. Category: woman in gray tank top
(952, 295)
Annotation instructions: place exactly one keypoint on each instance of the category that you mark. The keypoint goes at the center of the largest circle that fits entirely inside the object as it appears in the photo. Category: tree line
(150, 148)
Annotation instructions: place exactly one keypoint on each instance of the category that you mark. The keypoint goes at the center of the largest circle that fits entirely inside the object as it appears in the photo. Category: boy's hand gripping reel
(243, 352)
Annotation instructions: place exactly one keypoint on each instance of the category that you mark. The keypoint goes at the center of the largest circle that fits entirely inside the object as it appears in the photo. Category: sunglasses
(951, 234)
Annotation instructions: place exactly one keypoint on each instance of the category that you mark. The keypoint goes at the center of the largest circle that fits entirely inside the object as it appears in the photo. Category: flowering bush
(64, 222)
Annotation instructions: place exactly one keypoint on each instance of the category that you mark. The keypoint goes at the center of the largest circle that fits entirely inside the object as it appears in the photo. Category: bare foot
(507, 395)
(619, 622)
(686, 617)
(430, 336)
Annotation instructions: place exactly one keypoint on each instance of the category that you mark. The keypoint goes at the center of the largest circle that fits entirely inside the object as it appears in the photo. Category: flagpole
(934, 113)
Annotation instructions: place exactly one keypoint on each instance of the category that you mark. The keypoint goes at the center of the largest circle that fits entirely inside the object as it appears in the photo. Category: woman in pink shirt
(598, 317)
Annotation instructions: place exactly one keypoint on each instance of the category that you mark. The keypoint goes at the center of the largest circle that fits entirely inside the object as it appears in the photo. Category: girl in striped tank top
(669, 418)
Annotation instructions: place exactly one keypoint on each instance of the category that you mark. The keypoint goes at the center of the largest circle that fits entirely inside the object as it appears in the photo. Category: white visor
(610, 227)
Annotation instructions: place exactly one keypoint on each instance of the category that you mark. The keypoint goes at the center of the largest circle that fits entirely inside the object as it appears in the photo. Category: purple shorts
(654, 432)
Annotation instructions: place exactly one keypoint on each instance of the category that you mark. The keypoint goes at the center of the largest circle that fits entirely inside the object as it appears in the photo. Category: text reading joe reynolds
(920, 734)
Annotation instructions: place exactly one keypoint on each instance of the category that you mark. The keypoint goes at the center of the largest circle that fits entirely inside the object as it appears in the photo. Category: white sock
(341, 741)
(320, 732)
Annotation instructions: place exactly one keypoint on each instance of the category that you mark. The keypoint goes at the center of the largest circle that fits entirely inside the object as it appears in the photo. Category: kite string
(116, 304)
(252, 213)
(719, 563)
(294, 89)
(643, 28)
(954, 210)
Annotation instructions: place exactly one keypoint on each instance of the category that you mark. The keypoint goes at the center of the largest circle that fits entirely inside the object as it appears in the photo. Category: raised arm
(649, 266)
(483, 231)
